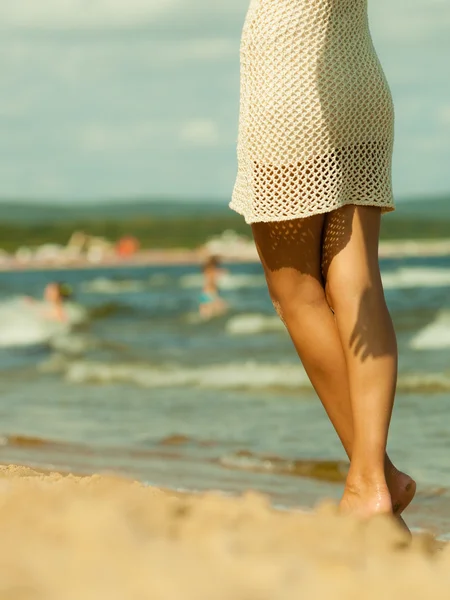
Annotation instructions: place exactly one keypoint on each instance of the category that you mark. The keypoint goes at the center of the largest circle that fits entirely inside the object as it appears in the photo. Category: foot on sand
(367, 500)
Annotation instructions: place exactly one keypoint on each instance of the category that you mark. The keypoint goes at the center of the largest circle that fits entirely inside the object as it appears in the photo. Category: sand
(66, 537)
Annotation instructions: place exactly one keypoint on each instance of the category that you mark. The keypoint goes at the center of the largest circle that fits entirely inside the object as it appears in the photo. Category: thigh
(288, 248)
(350, 247)
(290, 253)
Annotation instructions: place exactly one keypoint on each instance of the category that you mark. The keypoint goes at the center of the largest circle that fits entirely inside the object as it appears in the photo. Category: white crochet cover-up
(316, 125)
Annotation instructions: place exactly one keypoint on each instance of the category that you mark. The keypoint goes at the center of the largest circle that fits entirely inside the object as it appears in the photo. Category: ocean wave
(27, 441)
(250, 375)
(416, 277)
(246, 460)
(159, 280)
(107, 309)
(250, 324)
(224, 376)
(180, 439)
(104, 285)
(72, 344)
(24, 323)
(324, 470)
(424, 382)
(405, 277)
(227, 281)
(435, 335)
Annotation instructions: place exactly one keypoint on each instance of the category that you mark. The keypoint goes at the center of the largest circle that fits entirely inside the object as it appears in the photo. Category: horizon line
(67, 202)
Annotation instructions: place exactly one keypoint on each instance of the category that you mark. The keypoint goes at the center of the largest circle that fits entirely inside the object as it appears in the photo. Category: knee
(293, 294)
(342, 291)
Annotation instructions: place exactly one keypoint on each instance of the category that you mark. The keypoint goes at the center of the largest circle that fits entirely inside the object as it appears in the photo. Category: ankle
(366, 479)
(389, 468)
(369, 468)
(366, 500)
(363, 486)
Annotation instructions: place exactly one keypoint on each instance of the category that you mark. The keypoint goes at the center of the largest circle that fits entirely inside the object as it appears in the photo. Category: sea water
(142, 387)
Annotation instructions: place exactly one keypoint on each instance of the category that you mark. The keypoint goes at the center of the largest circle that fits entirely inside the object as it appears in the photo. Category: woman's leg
(355, 292)
(291, 254)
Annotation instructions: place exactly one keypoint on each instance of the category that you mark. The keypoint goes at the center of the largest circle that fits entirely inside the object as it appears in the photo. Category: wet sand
(67, 537)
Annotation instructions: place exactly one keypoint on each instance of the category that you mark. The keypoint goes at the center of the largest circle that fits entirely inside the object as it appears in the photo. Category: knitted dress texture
(316, 121)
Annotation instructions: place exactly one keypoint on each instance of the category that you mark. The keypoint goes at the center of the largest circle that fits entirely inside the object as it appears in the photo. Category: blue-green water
(144, 388)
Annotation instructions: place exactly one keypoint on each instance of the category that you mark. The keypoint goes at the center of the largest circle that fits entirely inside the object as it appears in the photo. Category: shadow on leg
(354, 290)
(291, 253)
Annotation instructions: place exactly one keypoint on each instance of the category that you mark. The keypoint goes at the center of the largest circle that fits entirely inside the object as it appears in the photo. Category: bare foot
(402, 488)
(366, 499)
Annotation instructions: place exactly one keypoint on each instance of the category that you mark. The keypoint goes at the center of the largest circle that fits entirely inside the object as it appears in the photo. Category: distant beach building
(230, 245)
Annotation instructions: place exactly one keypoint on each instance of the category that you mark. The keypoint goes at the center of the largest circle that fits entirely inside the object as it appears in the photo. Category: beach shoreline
(189, 257)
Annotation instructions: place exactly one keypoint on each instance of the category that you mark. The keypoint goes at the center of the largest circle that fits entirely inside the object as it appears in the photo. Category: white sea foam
(224, 376)
(194, 318)
(439, 382)
(160, 279)
(72, 344)
(405, 277)
(435, 335)
(251, 324)
(193, 280)
(416, 277)
(250, 375)
(24, 323)
(227, 281)
(103, 285)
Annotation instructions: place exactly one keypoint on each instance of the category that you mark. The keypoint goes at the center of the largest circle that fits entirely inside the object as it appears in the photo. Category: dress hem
(304, 215)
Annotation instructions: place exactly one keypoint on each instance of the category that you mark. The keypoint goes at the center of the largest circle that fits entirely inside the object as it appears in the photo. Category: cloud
(200, 49)
(444, 114)
(404, 20)
(143, 136)
(410, 21)
(68, 14)
(177, 53)
(106, 95)
(13, 108)
(118, 137)
(179, 15)
(200, 132)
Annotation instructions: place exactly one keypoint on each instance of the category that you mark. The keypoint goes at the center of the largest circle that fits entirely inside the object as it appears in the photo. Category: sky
(127, 98)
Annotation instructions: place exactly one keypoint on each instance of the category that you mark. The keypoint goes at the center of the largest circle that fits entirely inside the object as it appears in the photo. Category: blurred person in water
(56, 294)
(211, 304)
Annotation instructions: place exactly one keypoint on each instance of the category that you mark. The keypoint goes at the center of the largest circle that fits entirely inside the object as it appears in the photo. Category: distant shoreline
(179, 257)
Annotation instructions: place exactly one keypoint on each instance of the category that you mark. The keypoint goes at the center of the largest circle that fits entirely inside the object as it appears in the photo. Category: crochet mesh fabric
(317, 119)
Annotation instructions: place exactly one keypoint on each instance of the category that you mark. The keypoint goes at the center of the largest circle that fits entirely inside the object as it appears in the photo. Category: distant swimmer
(56, 294)
(211, 304)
